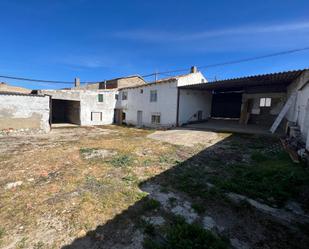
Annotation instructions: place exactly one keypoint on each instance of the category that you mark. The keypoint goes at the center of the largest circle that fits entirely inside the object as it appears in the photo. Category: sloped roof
(160, 81)
(279, 78)
(4, 87)
(22, 94)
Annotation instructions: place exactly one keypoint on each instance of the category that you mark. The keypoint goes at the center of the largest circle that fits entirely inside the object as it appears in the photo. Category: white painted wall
(191, 101)
(299, 110)
(89, 103)
(191, 79)
(166, 104)
(24, 111)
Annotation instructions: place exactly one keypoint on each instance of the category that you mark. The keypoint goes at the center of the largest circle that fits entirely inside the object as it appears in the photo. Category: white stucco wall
(166, 104)
(192, 101)
(299, 111)
(89, 104)
(191, 79)
(24, 111)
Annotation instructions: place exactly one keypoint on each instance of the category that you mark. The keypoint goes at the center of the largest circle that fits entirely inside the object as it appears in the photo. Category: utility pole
(156, 75)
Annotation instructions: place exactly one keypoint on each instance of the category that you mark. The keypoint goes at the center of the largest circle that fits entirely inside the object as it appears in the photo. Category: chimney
(193, 69)
(77, 82)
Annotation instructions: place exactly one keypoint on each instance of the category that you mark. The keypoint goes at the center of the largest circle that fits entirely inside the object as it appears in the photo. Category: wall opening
(65, 111)
(226, 105)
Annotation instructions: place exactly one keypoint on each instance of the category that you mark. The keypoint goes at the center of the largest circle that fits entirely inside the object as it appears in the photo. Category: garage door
(226, 105)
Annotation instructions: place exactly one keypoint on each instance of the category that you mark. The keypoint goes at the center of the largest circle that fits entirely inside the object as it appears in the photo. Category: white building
(157, 104)
(83, 107)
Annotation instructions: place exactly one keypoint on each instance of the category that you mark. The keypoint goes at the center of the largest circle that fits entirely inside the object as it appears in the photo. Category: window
(124, 95)
(265, 102)
(142, 91)
(153, 96)
(156, 118)
(100, 97)
(116, 96)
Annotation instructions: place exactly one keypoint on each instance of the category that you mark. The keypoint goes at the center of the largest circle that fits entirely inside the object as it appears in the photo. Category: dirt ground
(120, 187)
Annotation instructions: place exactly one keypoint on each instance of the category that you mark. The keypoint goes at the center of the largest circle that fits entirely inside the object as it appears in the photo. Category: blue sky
(97, 40)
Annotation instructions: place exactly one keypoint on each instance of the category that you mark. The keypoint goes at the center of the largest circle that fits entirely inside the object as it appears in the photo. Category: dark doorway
(65, 111)
(226, 105)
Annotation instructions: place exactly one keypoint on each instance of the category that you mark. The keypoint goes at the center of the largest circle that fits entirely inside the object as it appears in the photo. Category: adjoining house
(82, 107)
(24, 111)
(156, 104)
(127, 81)
(90, 104)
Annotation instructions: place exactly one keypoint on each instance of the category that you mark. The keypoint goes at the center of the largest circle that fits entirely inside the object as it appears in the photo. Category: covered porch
(245, 105)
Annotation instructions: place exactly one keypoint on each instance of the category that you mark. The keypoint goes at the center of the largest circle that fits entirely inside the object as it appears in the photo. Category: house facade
(156, 104)
(83, 107)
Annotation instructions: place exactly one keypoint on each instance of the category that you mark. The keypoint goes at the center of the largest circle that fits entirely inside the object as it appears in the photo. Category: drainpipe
(177, 110)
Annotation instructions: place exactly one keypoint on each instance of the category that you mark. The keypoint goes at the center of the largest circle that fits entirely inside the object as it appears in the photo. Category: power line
(168, 72)
(236, 61)
(36, 80)
(255, 58)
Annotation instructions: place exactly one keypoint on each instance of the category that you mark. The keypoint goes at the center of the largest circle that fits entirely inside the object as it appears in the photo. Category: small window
(100, 97)
(153, 96)
(124, 95)
(116, 96)
(155, 118)
(265, 102)
(142, 91)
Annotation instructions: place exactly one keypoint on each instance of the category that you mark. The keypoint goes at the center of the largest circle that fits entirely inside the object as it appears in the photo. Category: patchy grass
(274, 180)
(182, 235)
(198, 207)
(121, 161)
(151, 204)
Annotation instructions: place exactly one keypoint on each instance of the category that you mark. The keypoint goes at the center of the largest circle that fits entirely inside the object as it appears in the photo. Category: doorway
(226, 105)
(139, 118)
(65, 111)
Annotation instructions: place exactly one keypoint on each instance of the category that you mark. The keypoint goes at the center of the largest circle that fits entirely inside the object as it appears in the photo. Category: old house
(82, 107)
(156, 104)
(121, 82)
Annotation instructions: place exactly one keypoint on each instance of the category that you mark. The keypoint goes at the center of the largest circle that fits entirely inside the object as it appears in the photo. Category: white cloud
(170, 36)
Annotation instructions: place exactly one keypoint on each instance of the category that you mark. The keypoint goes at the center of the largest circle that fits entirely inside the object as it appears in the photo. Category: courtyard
(121, 187)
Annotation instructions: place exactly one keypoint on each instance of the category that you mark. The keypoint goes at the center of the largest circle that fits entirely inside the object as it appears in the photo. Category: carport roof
(280, 78)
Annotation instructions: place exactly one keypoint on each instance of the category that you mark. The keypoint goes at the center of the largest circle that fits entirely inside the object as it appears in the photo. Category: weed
(199, 208)
(121, 161)
(38, 245)
(151, 204)
(259, 157)
(130, 179)
(86, 150)
(274, 180)
(172, 201)
(147, 162)
(182, 235)
(2, 232)
(22, 243)
(149, 229)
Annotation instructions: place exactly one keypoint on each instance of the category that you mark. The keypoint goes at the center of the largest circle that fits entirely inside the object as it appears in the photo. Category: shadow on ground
(184, 190)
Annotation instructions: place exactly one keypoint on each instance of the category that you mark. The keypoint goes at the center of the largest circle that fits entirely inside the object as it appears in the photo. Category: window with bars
(153, 96)
(156, 118)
